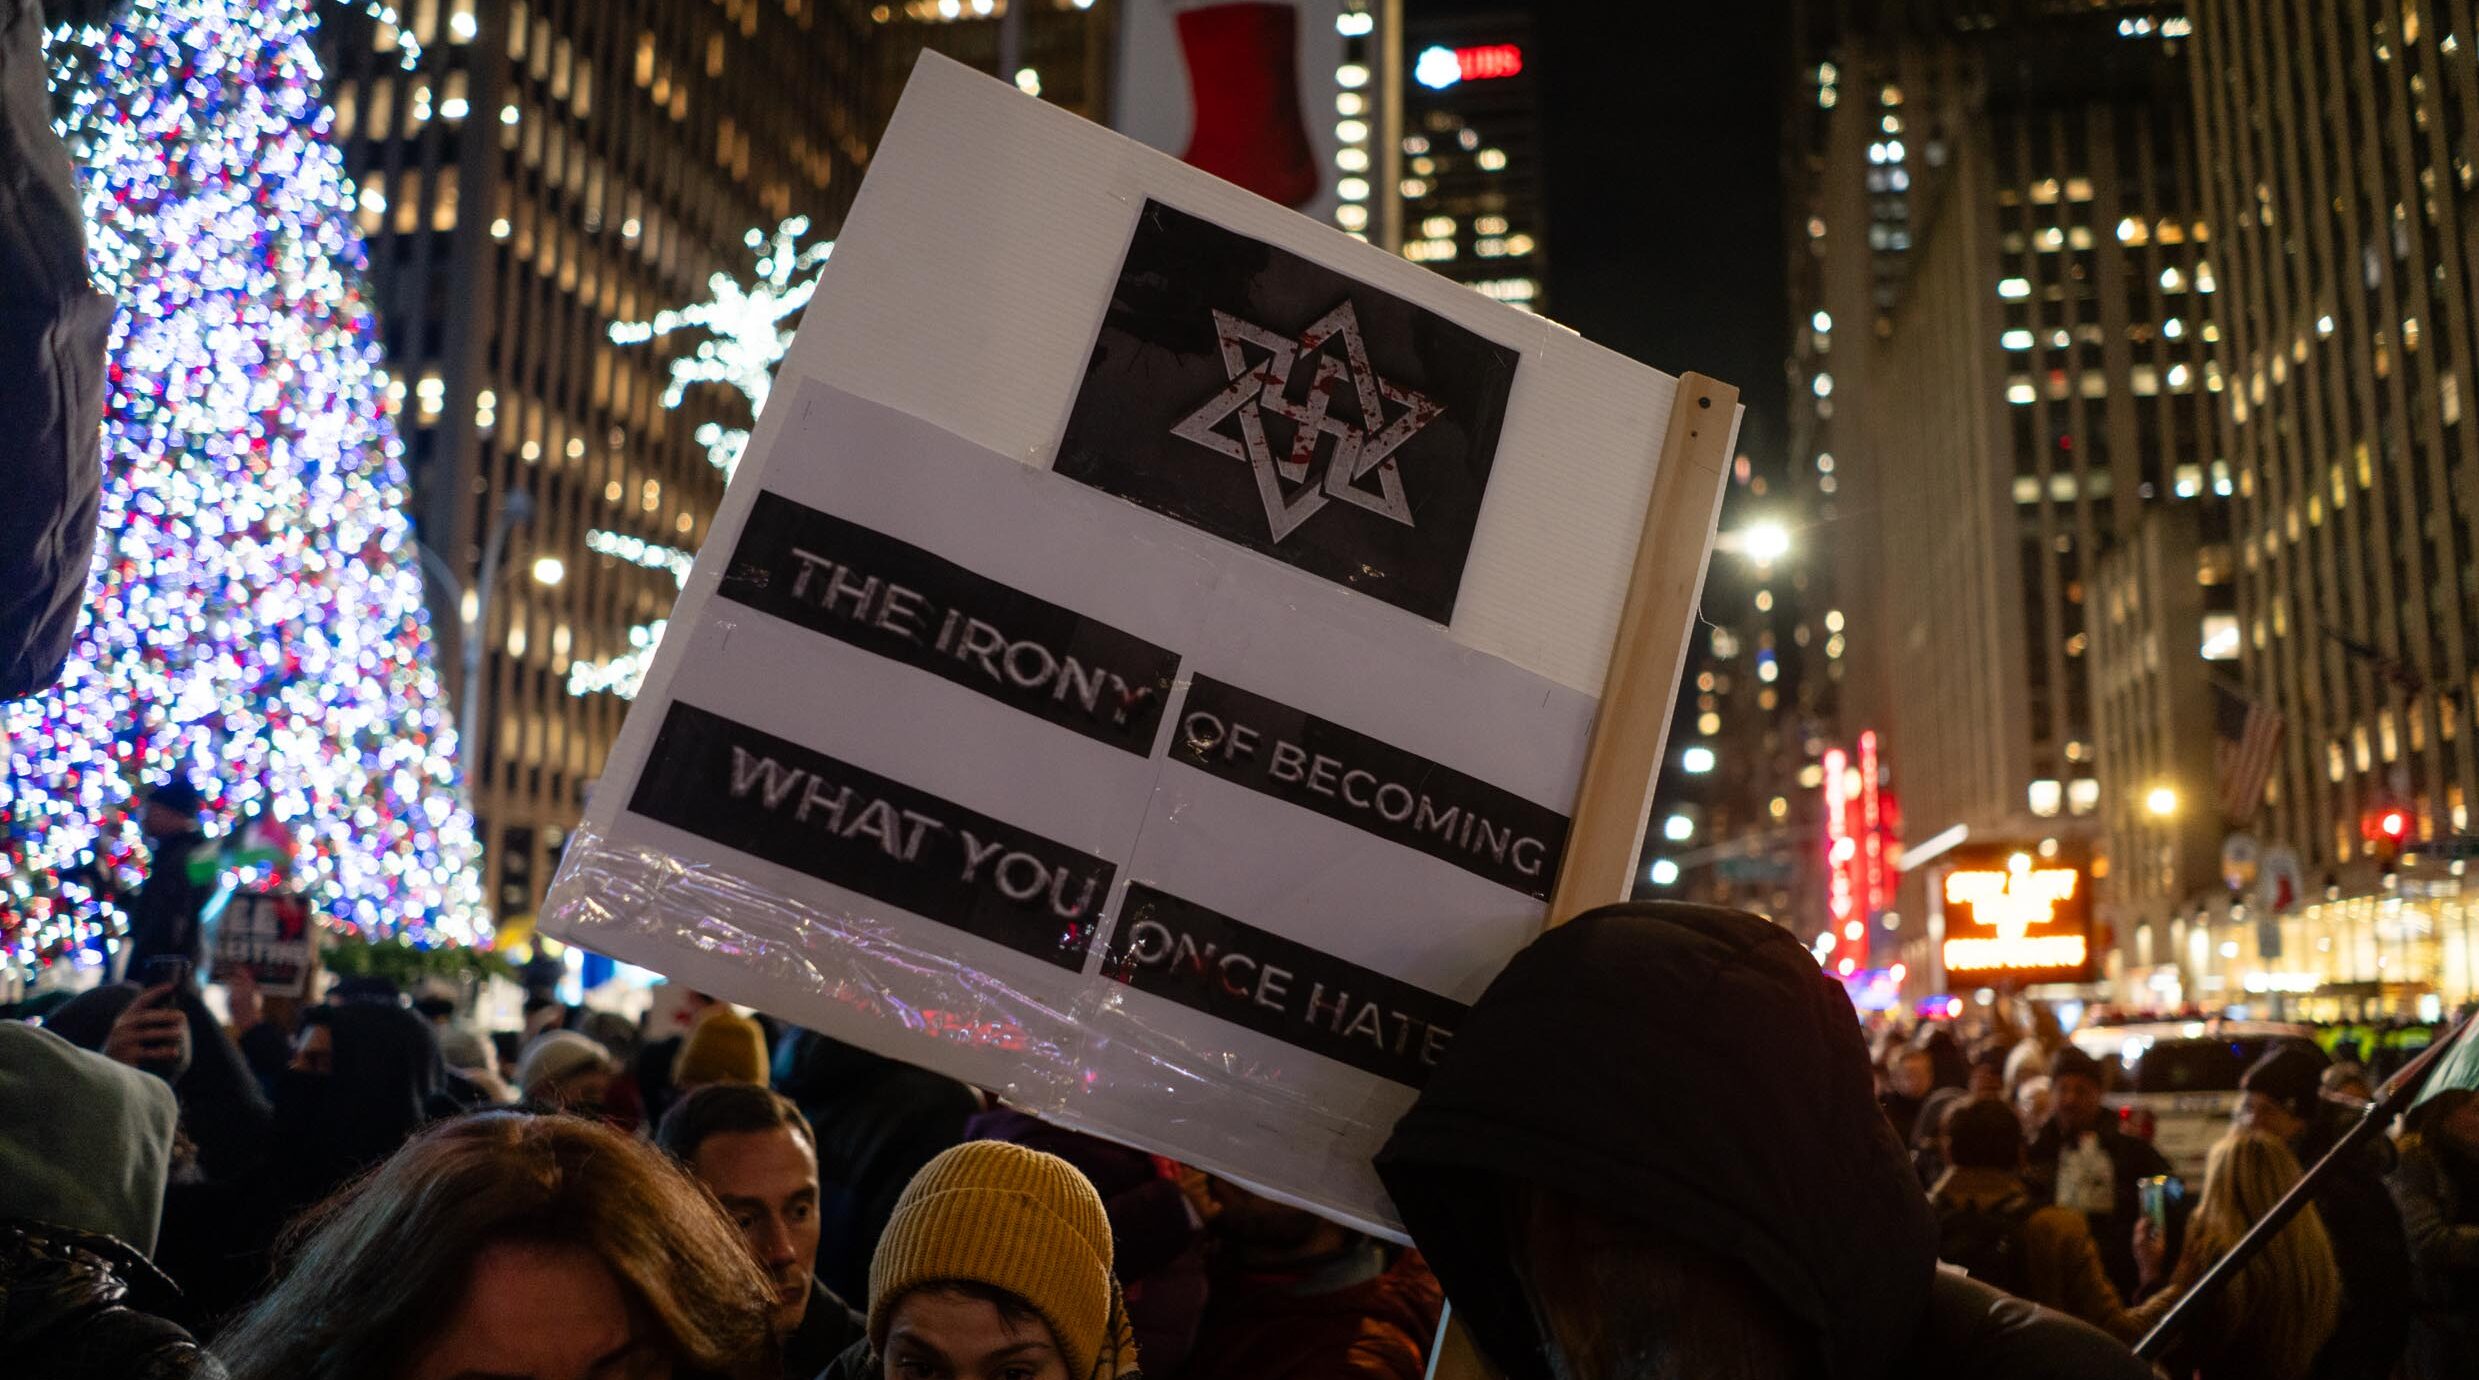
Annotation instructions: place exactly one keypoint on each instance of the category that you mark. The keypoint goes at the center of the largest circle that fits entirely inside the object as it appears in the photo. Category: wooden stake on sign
(1628, 735)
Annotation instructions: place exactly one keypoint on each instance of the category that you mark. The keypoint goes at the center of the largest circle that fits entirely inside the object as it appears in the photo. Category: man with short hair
(756, 1153)
(2083, 1160)
(1991, 1225)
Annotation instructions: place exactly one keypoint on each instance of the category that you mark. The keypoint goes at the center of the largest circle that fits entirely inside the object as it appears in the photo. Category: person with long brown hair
(2270, 1321)
(504, 1245)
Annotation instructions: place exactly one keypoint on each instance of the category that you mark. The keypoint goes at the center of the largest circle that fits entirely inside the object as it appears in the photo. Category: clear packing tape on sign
(1096, 1061)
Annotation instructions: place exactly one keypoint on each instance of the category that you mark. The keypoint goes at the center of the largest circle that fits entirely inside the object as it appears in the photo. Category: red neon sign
(1489, 61)
(1860, 818)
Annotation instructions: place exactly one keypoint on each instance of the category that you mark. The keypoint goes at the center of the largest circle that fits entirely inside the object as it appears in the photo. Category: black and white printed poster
(1276, 403)
(1145, 661)
(985, 767)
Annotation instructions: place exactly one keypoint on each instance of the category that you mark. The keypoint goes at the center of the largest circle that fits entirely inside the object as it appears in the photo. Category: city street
(1238, 689)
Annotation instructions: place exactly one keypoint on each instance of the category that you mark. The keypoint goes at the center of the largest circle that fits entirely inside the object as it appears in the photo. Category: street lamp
(549, 570)
(1664, 872)
(2162, 802)
(1696, 761)
(1765, 542)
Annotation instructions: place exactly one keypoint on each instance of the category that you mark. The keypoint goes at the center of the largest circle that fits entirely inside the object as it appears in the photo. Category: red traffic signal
(2393, 824)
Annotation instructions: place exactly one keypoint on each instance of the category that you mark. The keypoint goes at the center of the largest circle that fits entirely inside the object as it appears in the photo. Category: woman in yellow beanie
(995, 1266)
(723, 1047)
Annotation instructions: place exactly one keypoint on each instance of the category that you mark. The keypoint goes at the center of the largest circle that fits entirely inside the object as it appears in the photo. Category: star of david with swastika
(1260, 395)
(1352, 449)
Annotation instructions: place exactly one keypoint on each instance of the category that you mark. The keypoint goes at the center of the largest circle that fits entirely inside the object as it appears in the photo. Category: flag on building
(2248, 742)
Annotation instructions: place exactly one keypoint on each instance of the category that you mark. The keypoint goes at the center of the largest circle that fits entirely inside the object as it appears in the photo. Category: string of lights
(255, 619)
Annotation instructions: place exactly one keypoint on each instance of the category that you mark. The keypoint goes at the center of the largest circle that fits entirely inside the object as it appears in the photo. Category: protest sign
(1147, 663)
(267, 935)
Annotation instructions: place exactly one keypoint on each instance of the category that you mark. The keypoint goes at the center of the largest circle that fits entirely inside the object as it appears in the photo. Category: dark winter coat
(827, 1330)
(164, 921)
(2130, 1158)
(878, 1121)
(77, 1306)
(1692, 1070)
(2368, 1246)
(1279, 1328)
(53, 331)
(2440, 1218)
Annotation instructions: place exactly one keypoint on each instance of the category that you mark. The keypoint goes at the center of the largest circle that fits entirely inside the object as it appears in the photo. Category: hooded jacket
(84, 1147)
(1691, 1069)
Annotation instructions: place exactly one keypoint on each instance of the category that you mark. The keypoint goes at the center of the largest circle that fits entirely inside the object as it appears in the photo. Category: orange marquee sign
(2012, 916)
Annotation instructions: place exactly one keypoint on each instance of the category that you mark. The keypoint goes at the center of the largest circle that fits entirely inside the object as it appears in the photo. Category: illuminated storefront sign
(2013, 917)
(1441, 67)
(1860, 820)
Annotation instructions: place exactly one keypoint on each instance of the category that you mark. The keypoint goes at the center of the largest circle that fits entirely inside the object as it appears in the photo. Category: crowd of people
(2041, 1189)
(1660, 1145)
(369, 1186)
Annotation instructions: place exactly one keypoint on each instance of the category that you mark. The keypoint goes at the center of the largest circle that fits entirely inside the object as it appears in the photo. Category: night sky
(1665, 198)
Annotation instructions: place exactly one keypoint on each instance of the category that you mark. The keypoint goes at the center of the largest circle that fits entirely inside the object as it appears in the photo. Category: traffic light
(2387, 830)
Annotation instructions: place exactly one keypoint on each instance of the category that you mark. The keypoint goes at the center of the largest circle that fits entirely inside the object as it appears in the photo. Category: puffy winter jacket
(76, 1306)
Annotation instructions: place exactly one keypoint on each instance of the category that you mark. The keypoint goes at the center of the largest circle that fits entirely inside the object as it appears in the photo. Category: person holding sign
(1654, 1149)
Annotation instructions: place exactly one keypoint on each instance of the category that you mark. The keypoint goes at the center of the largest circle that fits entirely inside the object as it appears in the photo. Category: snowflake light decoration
(747, 330)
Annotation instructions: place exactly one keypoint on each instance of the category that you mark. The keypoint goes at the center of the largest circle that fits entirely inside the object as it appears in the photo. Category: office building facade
(1472, 171)
(2337, 146)
(539, 171)
(2007, 306)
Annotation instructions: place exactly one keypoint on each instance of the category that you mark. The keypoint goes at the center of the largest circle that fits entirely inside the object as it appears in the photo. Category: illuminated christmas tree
(255, 618)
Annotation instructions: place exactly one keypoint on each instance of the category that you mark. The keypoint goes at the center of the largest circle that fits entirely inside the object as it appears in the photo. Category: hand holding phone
(153, 1034)
(164, 970)
(2155, 1194)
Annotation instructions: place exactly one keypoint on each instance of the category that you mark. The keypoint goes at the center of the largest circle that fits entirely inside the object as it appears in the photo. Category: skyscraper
(542, 170)
(1472, 164)
(2010, 297)
(2339, 166)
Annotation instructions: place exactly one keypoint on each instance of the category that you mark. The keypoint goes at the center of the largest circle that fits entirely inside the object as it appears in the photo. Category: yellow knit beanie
(723, 1047)
(991, 1213)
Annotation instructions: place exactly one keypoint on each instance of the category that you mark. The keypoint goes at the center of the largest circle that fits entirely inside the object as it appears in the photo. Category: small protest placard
(268, 935)
(1146, 661)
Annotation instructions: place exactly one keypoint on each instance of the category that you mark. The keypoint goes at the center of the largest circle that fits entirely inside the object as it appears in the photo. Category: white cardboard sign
(1146, 659)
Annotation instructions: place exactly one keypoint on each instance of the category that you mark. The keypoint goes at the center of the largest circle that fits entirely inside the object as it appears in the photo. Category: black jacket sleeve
(53, 330)
(225, 1110)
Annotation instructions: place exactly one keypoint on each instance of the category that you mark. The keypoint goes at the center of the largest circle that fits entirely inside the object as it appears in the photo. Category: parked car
(2176, 1082)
